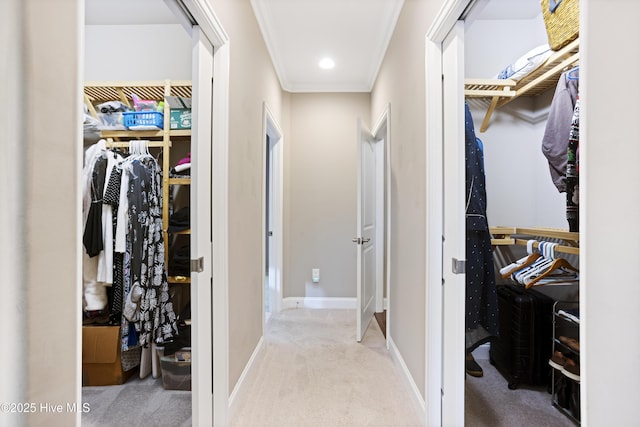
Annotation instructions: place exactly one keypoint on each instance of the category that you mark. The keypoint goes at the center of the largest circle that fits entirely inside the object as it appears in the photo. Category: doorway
(273, 215)
(208, 56)
(373, 219)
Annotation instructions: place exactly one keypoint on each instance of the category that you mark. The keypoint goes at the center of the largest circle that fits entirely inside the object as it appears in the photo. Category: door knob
(360, 240)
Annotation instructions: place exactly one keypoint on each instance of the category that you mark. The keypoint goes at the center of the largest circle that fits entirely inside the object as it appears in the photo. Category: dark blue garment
(481, 319)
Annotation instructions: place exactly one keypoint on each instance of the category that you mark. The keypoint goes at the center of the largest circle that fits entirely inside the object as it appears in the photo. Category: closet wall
(520, 191)
(137, 52)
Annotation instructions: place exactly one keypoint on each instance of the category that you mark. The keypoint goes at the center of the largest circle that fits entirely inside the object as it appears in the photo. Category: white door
(453, 249)
(200, 203)
(366, 223)
(273, 213)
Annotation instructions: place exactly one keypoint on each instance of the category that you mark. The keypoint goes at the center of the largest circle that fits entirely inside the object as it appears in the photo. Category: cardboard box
(180, 112)
(180, 118)
(101, 356)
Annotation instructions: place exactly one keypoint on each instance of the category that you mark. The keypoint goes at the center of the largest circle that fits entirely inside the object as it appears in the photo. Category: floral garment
(144, 266)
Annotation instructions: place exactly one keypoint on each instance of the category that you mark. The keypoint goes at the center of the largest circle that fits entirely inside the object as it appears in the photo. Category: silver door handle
(360, 240)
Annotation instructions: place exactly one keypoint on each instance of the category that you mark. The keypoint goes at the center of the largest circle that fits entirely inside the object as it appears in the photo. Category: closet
(526, 211)
(137, 109)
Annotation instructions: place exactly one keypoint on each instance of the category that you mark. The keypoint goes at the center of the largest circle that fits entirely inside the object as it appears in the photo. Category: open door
(200, 202)
(453, 246)
(366, 223)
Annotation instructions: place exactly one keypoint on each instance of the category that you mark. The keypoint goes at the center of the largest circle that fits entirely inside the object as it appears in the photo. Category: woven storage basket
(562, 20)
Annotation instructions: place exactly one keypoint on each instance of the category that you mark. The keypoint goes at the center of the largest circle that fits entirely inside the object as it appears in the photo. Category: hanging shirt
(556, 133)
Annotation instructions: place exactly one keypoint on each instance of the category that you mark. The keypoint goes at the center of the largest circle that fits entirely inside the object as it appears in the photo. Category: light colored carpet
(136, 403)
(312, 372)
(490, 403)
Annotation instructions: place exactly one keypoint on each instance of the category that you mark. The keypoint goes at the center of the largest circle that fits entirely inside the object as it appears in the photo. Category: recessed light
(326, 63)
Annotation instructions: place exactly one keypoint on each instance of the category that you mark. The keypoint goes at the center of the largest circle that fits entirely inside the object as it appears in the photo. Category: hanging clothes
(481, 319)
(572, 181)
(555, 139)
(94, 293)
(145, 275)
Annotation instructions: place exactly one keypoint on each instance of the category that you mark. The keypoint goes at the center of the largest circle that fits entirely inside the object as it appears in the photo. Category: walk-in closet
(521, 91)
(136, 334)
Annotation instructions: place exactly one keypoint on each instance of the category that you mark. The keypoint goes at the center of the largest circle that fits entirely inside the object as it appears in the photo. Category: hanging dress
(481, 320)
(145, 279)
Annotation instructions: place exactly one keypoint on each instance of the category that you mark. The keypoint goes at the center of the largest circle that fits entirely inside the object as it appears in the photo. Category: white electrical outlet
(315, 275)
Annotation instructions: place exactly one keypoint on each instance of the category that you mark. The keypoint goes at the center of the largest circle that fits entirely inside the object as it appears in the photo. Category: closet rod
(125, 144)
(559, 248)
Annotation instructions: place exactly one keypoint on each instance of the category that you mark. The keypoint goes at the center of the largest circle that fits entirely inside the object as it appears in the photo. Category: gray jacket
(556, 134)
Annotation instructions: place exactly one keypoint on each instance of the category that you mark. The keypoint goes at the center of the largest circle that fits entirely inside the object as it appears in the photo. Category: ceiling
(299, 33)
(354, 33)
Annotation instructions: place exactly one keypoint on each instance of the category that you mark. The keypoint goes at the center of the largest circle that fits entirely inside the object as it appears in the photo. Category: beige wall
(253, 81)
(320, 193)
(609, 212)
(41, 231)
(401, 83)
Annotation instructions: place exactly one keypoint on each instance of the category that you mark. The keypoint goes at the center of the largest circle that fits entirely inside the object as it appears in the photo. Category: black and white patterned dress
(144, 264)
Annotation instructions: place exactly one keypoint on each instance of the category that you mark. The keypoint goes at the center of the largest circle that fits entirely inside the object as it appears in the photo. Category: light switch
(315, 275)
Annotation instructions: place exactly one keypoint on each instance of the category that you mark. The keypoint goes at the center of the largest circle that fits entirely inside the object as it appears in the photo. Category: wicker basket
(562, 20)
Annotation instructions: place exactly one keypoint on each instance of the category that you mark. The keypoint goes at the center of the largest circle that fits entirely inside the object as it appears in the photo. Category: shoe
(95, 317)
(570, 342)
(558, 360)
(472, 367)
(571, 369)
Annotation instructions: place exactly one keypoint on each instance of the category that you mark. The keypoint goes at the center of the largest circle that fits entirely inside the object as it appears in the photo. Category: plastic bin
(143, 120)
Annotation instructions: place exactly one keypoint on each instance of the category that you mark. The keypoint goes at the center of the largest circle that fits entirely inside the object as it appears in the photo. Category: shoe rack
(565, 359)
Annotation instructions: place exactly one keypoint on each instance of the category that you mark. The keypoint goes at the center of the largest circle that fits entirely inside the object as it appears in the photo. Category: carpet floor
(312, 372)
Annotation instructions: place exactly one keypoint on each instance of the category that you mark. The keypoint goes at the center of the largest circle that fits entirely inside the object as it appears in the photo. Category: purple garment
(556, 134)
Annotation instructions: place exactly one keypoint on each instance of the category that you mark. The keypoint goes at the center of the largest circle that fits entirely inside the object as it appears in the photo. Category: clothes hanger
(574, 73)
(558, 265)
(540, 265)
(522, 262)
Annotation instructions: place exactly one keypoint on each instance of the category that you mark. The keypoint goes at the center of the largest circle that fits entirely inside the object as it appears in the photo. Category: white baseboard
(239, 387)
(416, 396)
(318, 302)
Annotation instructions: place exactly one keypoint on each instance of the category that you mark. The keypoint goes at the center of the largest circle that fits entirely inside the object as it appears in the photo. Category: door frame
(273, 146)
(380, 137)
(435, 376)
(210, 401)
(382, 134)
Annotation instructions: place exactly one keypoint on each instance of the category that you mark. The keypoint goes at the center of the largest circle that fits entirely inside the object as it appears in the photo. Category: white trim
(447, 16)
(319, 302)
(440, 28)
(200, 202)
(434, 231)
(211, 27)
(239, 390)
(385, 124)
(271, 128)
(414, 390)
(220, 227)
(202, 12)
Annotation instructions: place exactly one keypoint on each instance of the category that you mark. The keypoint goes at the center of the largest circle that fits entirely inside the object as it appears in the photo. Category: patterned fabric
(112, 197)
(144, 259)
(481, 318)
(573, 202)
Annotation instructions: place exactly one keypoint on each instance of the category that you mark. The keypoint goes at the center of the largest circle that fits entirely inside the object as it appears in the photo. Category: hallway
(312, 372)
